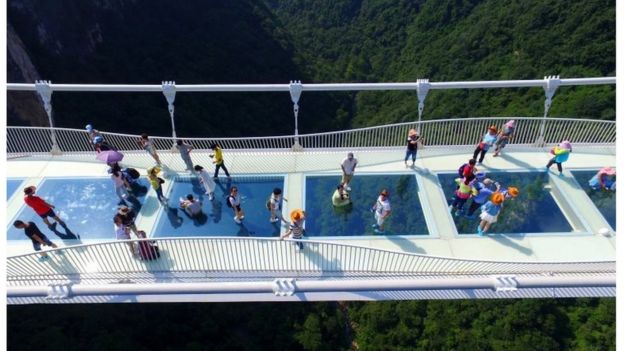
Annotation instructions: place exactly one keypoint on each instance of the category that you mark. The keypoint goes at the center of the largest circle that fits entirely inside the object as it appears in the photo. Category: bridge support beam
(296, 88)
(169, 90)
(422, 89)
(45, 92)
(551, 83)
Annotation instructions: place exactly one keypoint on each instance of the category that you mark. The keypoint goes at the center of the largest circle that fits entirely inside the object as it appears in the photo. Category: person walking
(468, 169)
(146, 144)
(37, 237)
(206, 181)
(218, 161)
(489, 138)
(412, 146)
(42, 208)
(275, 206)
(490, 212)
(382, 210)
(561, 154)
(185, 152)
(295, 229)
(234, 202)
(157, 182)
(503, 136)
(348, 165)
(121, 184)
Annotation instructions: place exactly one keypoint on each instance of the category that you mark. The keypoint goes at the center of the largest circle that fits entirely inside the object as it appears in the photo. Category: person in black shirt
(38, 238)
(412, 146)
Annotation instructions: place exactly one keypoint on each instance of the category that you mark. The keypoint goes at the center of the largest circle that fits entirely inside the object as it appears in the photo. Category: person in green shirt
(218, 161)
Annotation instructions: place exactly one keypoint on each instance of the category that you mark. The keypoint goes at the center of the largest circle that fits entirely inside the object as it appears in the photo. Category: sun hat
(493, 128)
(607, 170)
(497, 198)
(513, 191)
(510, 123)
(98, 139)
(89, 127)
(297, 215)
(565, 145)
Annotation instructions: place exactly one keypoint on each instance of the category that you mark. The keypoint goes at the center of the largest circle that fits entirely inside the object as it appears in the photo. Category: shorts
(379, 218)
(37, 245)
(150, 150)
(488, 217)
(50, 213)
(237, 208)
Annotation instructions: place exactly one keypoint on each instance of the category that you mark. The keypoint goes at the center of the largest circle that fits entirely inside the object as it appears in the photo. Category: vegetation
(315, 41)
(528, 324)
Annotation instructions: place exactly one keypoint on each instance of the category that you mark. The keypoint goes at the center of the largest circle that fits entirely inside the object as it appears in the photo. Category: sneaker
(274, 220)
(413, 164)
(43, 258)
(210, 197)
(374, 225)
(348, 188)
(238, 221)
(297, 247)
(560, 174)
(242, 217)
(376, 230)
(479, 231)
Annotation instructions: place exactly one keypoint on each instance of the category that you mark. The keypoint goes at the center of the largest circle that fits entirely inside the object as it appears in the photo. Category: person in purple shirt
(484, 193)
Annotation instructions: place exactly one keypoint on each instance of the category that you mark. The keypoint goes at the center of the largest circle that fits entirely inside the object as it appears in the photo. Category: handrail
(310, 87)
(264, 255)
(447, 132)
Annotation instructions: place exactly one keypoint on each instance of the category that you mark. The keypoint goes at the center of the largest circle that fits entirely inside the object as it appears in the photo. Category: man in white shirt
(348, 167)
(382, 211)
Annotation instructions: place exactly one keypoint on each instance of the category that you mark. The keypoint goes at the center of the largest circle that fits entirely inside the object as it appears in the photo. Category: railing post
(169, 90)
(421, 89)
(45, 92)
(295, 93)
(551, 83)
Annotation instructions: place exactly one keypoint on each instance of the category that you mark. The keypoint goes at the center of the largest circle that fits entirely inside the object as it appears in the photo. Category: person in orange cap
(489, 138)
(511, 192)
(295, 229)
(490, 211)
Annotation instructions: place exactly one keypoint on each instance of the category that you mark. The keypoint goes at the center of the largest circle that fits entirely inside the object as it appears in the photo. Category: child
(295, 230)
(561, 154)
(464, 190)
(488, 140)
(207, 182)
(483, 193)
(234, 202)
(275, 205)
(489, 212)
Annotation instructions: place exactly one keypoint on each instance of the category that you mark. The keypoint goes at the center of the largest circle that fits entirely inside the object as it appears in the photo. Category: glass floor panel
(604, 200)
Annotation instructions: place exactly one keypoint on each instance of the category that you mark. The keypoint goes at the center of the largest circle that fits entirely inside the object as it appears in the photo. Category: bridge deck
(583, 244)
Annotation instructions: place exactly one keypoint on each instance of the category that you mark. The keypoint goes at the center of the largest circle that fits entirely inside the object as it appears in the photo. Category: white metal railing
(463, 131)
(257, 255)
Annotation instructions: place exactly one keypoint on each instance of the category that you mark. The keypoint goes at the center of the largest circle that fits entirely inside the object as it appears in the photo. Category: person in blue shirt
(489, 212)
(561, 154)
(603, 180)
(484, 193)
(488, 140)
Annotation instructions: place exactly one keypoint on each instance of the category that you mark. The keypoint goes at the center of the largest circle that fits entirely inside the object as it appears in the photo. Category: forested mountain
(139, 41)
(505, 325)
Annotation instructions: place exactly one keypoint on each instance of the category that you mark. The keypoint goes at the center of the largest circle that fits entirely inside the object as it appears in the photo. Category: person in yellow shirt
(218, 161)
(156, 182)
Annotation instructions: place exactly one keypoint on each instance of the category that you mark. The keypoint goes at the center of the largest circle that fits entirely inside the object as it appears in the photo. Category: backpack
(133, 173)
(228, 202)
(461, 169)
(148, 251)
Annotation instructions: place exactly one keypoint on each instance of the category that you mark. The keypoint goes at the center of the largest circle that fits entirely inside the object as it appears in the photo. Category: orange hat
(497, 198)
(493, 128)
(297, 215)
(513, 191)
